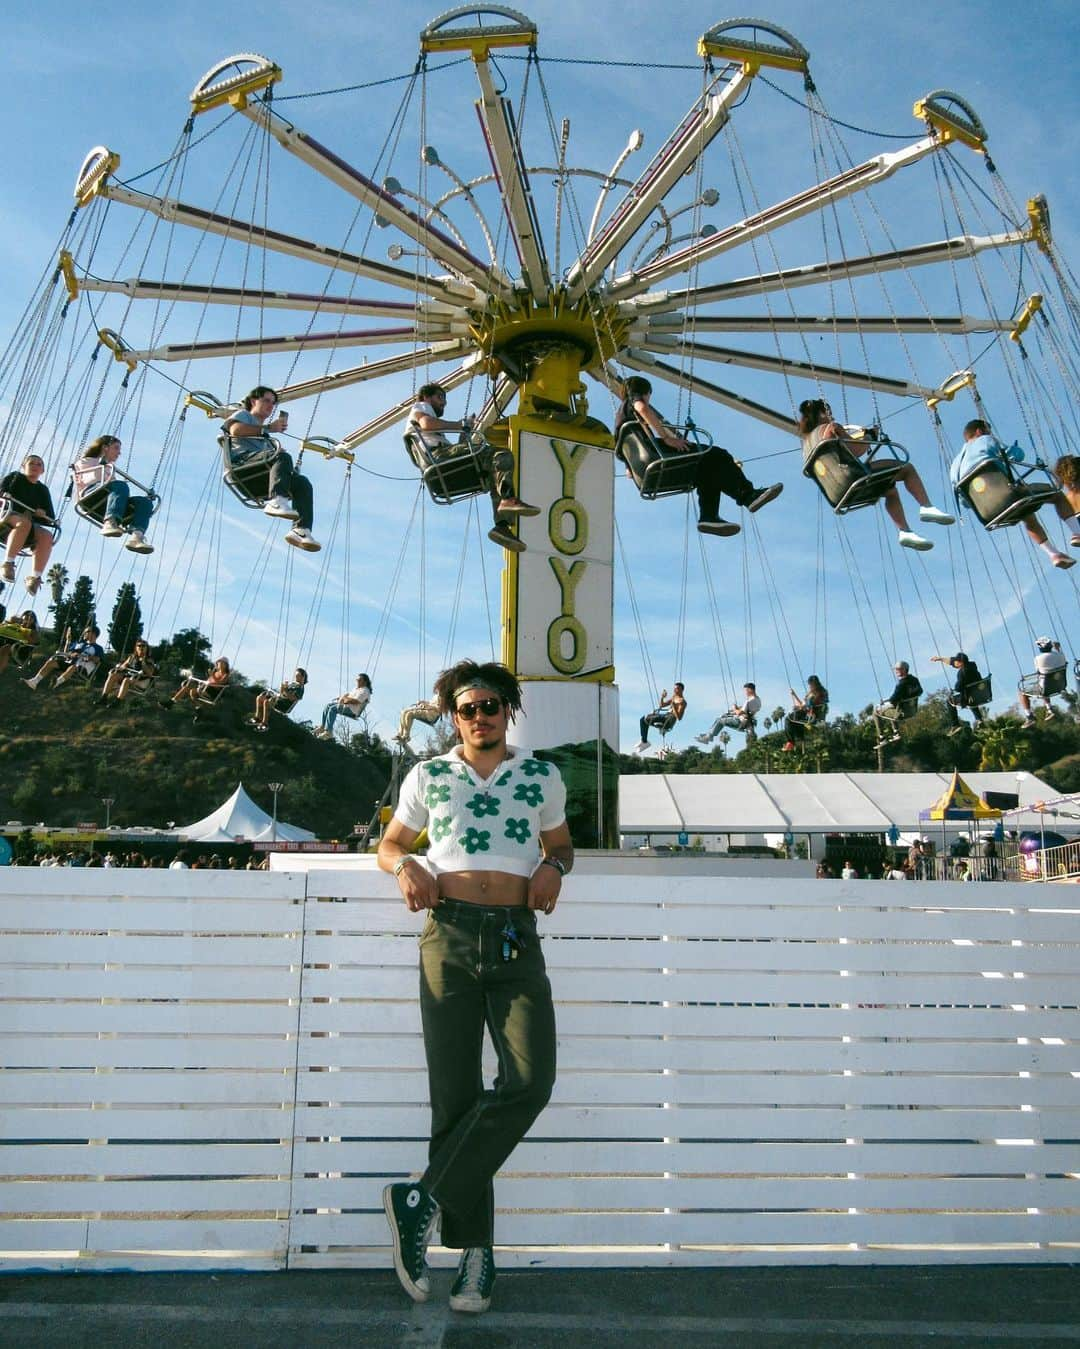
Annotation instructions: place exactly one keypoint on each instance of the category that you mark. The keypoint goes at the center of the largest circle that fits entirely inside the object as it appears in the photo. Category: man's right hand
(418, 886)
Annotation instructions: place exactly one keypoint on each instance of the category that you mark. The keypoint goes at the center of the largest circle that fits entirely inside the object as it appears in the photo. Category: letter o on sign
(567, 624)
(566, 508)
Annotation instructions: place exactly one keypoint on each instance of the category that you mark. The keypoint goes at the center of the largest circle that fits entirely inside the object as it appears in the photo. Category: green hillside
(61, 753)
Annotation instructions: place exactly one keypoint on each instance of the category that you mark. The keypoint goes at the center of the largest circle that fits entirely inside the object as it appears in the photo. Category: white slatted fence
(219, 1068)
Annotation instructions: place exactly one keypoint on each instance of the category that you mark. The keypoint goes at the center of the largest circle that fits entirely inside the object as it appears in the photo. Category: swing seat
(452, 472)
(1000, 496)
(977, 694)
(849, 482)
(1045, 685)
(209, 697)
(11, 510)
(91, 505)
(249, 479)
(658, 470)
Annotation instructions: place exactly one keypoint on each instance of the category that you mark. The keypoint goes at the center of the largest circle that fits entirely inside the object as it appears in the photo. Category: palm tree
(1002, 744)
(57, 577)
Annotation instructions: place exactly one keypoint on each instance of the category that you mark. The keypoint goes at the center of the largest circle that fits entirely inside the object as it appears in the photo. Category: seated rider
(717, 472)
(81, 657)
(981, 447)
(97, 468)
(1067, 472)
(196, 690)
(668, 712)
(291, 497)
(496, 466)
(31, 509)
(17, 632)
(816, 425)
(739, 717)
(349, 705)
(888, 714)
(1049, 660)
(425, 710)
(967, 674)
(810, 710)
(136, 672)
(288, 694)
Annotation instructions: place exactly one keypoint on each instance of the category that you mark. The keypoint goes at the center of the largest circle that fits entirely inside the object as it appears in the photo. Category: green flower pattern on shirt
(533, 766)
(440, 827)
(505, 778)
(476, 840)
(518, 830)
(482, 804)
(529, 792)
(437, 794)
(437, 767)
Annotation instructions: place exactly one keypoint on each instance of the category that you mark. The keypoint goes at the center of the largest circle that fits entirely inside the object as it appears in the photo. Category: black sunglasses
(489, 706)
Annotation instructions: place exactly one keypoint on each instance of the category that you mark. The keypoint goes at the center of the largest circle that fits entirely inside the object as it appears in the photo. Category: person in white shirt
(499, 846)
(123, 511)
(1050, 658)
(739, 717)
(427, 424)
(290, 493)
(349, 704)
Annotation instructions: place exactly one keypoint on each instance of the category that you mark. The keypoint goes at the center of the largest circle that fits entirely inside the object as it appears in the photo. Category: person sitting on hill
(291, 496)
(718, 474)
(668, 712)
(817, 425)
(197, 690)
(426, 424)
(809, 710)
(739, 717)
(350, 704)
(135, 673)
(425, 710)
(1049, 660)
(889, 714)
(967, 675)
(31, 510)
(981, 447)
(288, 694)
(82, 657)
(97, 468)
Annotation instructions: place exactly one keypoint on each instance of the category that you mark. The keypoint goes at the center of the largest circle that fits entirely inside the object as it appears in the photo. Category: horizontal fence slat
(145, 1159)
(623, 1157)
(613, 1054)
(190, 1052)
(93, 1198)
(175, 1122)
(146, 1086)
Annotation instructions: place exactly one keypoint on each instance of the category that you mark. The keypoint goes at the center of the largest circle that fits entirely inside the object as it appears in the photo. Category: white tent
(803, 803)
(240, 818)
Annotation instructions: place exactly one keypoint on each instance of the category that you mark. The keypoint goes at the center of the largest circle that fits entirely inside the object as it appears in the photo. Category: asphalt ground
(958, 1307)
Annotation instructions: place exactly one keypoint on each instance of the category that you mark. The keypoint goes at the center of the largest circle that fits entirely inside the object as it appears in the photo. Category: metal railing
(1061, 864)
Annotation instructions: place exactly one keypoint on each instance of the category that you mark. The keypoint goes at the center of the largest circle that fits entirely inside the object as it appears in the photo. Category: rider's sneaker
(930, 515)
(763, 495)
(471, 1290)
(501, 535)
(909, 539)
(704, 738)
(515, 506)
(301, 538)
(137, 543)
(282, 508)
(722, 527)
(111, 528)
(411, 1213)
(1062, 561)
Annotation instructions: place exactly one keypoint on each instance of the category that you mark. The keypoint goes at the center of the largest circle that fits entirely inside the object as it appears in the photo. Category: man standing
(427, 424)
(499, 848)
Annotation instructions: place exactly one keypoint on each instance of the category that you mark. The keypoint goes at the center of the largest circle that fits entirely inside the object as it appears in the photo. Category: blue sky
(843, 611)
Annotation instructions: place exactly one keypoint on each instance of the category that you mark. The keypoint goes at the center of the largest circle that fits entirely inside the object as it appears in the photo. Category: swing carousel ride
(907, 289)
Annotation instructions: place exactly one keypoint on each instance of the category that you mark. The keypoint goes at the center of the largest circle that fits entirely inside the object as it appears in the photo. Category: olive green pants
(465, 985)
